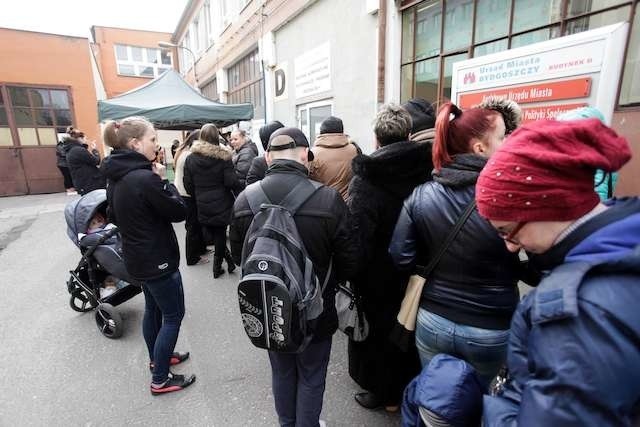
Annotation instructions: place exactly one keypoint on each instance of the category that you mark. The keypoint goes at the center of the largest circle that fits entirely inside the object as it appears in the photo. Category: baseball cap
(287, 138)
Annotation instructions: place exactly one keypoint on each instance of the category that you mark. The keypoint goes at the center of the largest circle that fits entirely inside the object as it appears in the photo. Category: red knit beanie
(544, 171)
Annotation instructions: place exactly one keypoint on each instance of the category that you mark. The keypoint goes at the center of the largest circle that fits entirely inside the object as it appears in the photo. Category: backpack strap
(256, 196)
(299, 195)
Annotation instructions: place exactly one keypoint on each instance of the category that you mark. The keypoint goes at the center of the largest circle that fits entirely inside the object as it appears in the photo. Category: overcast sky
(75, 17)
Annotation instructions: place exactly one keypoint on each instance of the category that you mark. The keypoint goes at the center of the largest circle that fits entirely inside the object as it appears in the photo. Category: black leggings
(194, 241)
(66, 175)
(219, 236)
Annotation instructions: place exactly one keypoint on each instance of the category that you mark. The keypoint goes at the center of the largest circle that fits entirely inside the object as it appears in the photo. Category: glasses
(509, 236)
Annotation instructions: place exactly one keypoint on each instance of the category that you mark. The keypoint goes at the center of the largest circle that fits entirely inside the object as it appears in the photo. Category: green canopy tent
(170, 103)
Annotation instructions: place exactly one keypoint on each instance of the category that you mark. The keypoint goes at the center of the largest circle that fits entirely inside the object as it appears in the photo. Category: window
(246, 83)
(210, 90)
(630, 89)
(438, 33)
(36, 114)
(310, 116)
(141, 62)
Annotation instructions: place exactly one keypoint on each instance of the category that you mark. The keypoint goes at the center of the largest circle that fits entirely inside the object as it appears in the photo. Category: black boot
(217, 266)
(231, 266)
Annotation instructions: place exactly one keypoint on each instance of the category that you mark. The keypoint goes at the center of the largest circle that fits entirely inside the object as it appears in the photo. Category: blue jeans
(298, 382)
(163, 313)
(484, 349)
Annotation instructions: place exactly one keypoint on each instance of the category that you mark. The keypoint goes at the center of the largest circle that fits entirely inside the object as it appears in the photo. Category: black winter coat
(380, 184)
(143, 206)
(83, 167)
(257, 170)
(324, 227)
(61, 155)
(242, 160)
(475, 281)
(209, 176)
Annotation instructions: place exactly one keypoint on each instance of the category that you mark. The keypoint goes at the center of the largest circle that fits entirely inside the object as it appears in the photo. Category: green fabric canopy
(170, 103)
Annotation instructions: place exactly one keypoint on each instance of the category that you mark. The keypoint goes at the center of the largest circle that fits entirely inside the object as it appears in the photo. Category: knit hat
(544, 171)
(287, 138)
(422, 114)
(510, 111)
(331, 125)
(266, 131)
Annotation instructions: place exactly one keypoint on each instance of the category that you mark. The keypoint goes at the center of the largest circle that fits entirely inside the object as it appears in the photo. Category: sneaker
(176, 358)
(72, 193)
(174, 383)
(203, 260)
(322, 423)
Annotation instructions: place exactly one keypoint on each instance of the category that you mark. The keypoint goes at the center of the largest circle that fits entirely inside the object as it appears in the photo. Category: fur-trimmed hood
(398, 167)
(211, 150)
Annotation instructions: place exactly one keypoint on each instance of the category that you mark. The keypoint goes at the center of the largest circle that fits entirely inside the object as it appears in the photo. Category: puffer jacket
(242, 160)
(257, 171)
(83, 167)
(332, 164)
(209, 176)
(574, 349)
(143, 206)
(324, 227)
(475, 281)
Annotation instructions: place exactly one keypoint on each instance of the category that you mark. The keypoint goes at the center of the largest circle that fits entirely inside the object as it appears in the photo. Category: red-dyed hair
(455, 129)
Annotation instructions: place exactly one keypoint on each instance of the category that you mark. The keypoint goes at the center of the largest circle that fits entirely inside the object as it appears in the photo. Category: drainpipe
(382, 30)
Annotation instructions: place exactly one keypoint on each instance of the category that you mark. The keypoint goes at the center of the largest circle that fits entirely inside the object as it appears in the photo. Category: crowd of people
(567, 353)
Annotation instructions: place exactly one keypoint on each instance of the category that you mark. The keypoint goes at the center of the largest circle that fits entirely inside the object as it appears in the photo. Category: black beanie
(331, 125)
(422, 114)
(266, 131)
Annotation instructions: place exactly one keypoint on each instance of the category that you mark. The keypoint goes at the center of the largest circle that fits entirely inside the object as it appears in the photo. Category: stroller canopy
(78, 213)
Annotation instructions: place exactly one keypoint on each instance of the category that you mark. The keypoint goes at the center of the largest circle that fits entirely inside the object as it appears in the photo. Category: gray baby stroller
(101, 259)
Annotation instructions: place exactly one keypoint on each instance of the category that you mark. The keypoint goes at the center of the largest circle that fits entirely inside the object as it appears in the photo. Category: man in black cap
(423, 119)
(298, 380)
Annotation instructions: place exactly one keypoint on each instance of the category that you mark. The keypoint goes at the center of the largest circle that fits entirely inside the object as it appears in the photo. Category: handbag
(403, 331)
(351, 319)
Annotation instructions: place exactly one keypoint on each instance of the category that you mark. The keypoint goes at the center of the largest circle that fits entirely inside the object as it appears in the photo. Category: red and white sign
(526, 94)
(544, 76)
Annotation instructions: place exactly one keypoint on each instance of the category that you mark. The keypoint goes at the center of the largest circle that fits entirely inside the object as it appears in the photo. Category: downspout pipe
(382, 47)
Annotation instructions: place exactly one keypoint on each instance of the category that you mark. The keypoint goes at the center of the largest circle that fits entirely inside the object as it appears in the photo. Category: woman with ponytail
(468, 301)
(143, 204)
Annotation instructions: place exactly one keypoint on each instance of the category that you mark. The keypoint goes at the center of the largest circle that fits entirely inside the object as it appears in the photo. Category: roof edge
(182, 22)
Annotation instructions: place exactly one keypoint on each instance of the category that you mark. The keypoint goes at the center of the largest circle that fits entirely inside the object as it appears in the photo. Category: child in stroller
(101, 268)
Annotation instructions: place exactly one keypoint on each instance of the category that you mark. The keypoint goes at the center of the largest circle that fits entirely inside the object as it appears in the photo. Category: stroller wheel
(81, 302)
(109, 321)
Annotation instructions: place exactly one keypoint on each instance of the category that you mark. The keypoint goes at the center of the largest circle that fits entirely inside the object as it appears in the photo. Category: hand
(160, 170)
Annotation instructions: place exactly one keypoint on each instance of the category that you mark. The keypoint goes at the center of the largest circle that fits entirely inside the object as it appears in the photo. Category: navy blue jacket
(574, 350)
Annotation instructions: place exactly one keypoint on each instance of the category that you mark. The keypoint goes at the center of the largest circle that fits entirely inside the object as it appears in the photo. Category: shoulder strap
(299, 194)
(610, 185)
(452, 235)
(256, 196)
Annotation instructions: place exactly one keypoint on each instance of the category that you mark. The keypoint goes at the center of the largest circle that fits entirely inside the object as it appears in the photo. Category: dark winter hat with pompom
(422, 114)
(509, 110)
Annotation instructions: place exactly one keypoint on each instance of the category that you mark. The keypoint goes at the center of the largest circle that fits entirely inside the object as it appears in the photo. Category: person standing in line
(210, 178)
(605, 183)
(245, 152)
(298, 380)
(463, 312)
(61, 162)
(143, 204)
(380, 184)
(259, 164)
(83, 161)
(195, 247)
(333, 152)
(574, 351)
(423, 118)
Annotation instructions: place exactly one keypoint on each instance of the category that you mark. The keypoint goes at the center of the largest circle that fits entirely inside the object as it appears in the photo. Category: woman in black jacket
(380, 184)
(143, 204)
(210, 177)
(467, 302)
(82, 163)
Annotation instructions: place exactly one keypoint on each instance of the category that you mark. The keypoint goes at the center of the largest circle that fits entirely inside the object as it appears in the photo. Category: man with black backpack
(292, 238)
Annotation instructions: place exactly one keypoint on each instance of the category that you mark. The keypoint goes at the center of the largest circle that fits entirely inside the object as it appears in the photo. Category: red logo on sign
(470, 78)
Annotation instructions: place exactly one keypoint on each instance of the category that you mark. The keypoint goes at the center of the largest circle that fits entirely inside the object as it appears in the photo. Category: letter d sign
(280, 82)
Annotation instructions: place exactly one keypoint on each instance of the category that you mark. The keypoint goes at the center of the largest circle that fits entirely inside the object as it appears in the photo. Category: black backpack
(279, 293)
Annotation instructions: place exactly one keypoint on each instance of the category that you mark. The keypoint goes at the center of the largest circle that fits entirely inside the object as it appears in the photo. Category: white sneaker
(322, 423)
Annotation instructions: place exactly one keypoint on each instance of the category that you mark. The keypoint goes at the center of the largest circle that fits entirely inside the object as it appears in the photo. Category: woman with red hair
(469, 298)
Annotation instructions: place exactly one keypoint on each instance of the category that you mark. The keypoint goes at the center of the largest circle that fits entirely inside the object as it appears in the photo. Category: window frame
(248, 77)
(411, 6)
(158, 67)
(9, 107)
